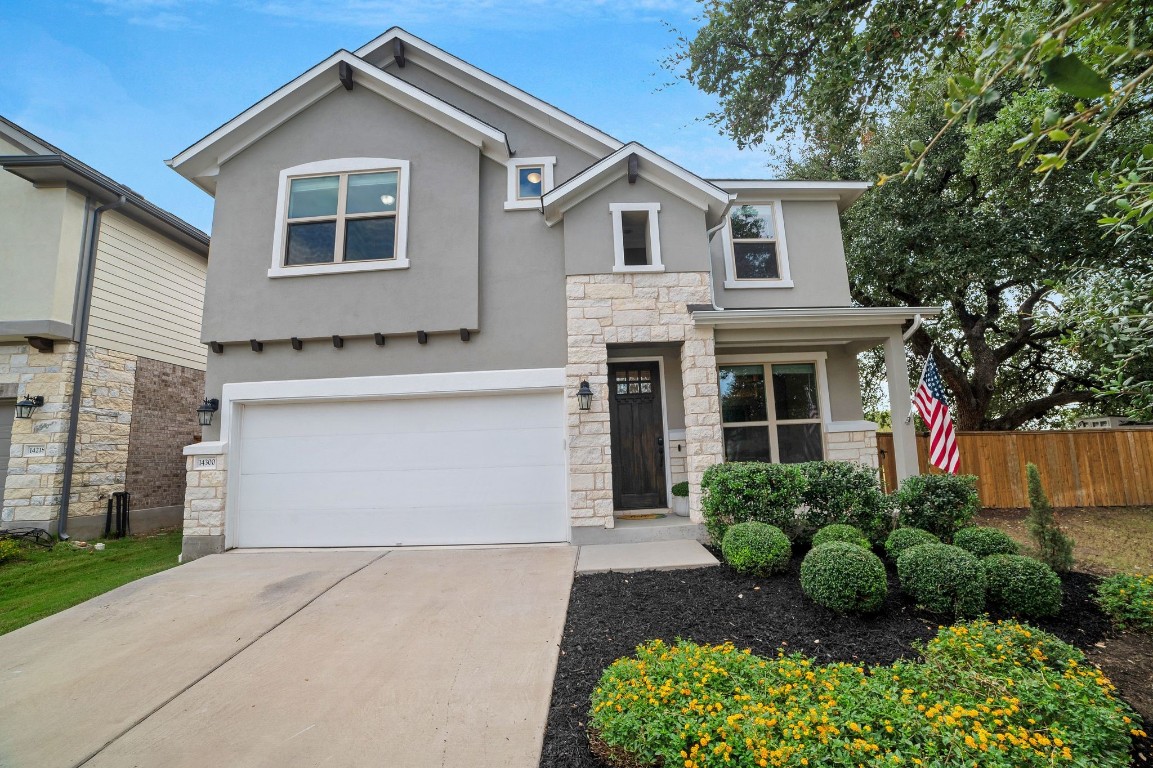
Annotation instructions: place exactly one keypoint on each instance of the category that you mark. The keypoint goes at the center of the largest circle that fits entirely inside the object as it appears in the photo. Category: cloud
(159, 14)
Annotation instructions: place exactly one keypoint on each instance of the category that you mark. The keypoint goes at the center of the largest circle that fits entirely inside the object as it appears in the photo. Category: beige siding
(148, 295)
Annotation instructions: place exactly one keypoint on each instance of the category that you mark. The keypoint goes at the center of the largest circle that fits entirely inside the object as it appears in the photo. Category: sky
(124, 85)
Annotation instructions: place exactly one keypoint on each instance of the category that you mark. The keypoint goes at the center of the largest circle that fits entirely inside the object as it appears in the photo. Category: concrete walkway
(403, 657)
(670, 555)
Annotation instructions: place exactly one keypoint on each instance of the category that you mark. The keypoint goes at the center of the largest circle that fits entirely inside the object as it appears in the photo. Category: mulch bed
(610, 614)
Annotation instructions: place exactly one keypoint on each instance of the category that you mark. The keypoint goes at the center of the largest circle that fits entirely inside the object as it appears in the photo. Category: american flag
(929, 400)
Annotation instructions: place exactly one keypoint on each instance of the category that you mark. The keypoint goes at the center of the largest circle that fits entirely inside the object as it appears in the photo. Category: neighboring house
(416, 268)
(100, 306)
(1101, 421)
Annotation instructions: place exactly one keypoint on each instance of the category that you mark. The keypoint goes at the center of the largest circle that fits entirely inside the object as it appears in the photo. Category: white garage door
(476, 469)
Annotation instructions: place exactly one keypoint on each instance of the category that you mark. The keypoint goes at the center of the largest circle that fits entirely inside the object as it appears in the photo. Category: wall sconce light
(205, 411)
(25, 407)
(584, 396)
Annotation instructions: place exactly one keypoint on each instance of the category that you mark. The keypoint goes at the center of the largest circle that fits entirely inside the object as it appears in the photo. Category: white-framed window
(528, 179)
(346, 215)
(636, 237)
(774, 407)
(754, 245)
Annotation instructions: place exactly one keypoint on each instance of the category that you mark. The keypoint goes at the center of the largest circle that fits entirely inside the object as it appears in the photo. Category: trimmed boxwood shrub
(839, 532)
(941, 504)
(681, 489)
(983, 541)
(739, 491)
(844, 492)
(1022, 586)
(904, 538)
(756, 548)
(943, 579)
(844, 577)
(1128, 599)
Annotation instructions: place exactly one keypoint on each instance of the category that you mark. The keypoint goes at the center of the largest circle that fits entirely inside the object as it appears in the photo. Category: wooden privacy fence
(1079, 468)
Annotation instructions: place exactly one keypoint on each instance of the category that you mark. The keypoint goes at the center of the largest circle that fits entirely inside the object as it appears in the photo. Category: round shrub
(983, 542)
(904, 538)
(943, 579)
(941, 504)
(838, 532)
(681, 489)
(756, 548)
(1022, 586)
(844, 577)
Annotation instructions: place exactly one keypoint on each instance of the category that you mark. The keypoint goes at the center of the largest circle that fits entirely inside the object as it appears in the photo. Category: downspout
(917, 320)
(709, 240)
(89, 262)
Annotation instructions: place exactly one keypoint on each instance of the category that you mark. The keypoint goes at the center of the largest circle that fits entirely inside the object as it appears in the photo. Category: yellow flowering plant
(1128, 599)
(986, 694)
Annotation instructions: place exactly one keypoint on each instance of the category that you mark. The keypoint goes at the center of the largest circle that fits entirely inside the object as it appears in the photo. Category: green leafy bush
(943, 579)
(839, 532)
(756, 548)
(1055, 548)
(740, 491)
(844, 577)
(9, 551)
(941, 504)
(904, 538)
(1022, 586)
(845, 492)
(981, 694)
(681, 489)
(983, 541)
(1128, 599)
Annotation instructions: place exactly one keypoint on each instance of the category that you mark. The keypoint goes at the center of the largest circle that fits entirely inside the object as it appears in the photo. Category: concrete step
(637, 531)
(645, 556)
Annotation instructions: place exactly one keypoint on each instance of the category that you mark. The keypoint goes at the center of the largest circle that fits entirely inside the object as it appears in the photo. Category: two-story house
(442, 311)
(101, 294)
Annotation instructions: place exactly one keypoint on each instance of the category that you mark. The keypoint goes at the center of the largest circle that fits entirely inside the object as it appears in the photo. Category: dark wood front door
(636, 422)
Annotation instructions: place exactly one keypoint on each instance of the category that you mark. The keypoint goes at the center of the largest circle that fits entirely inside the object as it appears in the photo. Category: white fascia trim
(452, 68)
(376, 387)
(786, 278)
(653, 209)
(851, 426)
(811, 316)
(341, 165)
(547, 180)
(845, 193)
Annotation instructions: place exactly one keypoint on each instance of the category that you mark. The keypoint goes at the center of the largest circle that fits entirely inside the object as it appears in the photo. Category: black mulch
(610, 614)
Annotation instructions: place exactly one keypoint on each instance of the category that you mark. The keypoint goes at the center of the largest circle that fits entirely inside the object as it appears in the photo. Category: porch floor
(627, 531)
(644, 556)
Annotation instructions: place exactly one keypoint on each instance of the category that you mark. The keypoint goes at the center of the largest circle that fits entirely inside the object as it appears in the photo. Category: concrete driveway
(440, 657)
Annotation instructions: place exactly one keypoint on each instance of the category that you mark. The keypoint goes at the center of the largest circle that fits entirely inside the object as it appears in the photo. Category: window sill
(731, 284)
(641, 268)
(522, 205)
(338, 269)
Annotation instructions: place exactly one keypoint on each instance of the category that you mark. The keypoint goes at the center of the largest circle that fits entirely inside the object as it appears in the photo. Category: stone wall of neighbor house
(636, 308)
(858, 446)
(103, 430)
(163, 422)
(206, 478)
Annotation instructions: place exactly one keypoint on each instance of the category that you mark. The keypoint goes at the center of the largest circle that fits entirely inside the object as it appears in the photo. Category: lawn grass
(46, 581)
(1107, 539)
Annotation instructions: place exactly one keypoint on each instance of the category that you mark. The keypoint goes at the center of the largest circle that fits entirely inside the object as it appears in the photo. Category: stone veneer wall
(205, 489)
(103, 430)
(163, 422)
(628, 308)
(859, 446)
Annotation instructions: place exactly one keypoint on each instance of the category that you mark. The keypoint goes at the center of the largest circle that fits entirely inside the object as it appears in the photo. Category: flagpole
(913, 397)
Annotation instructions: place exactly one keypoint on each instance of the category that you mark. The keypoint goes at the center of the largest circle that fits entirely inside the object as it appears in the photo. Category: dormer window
(528, 179)
(636, 237)
(341, 215)
(755, 254)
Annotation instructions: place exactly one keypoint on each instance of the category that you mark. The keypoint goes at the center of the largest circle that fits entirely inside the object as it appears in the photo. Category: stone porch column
(900, 404)
(704, 440)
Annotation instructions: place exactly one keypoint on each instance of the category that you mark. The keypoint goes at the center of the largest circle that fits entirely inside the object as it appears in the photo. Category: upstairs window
(528, 179)
(636, 237)
(755, 250)
(341, 215)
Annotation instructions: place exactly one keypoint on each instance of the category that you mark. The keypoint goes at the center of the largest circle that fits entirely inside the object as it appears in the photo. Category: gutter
(89, 267)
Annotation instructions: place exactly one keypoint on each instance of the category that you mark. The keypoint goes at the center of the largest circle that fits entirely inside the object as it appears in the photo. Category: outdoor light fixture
(585, 396)
(205, 411)
(533, 178)
(25, 407)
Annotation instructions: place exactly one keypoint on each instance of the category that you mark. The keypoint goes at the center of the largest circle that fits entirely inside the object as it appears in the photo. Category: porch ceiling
(855, 327)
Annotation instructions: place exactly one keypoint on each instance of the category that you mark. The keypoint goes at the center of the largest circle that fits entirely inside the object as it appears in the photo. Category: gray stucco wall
(816, 262)
(588, 229)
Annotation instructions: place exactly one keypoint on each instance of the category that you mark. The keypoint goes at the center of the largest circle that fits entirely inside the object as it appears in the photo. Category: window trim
(338, 166)
(513, 202)
(818, 359)
(653, 209)
(731, 279)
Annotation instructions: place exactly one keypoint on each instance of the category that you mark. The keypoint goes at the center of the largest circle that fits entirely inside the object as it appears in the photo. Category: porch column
(900, 397)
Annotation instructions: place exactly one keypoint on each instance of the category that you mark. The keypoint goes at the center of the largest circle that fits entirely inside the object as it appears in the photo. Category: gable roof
(200, 163)
(545, 116)
(655, 169)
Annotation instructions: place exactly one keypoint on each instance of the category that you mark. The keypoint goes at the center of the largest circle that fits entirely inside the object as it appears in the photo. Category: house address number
(206, 462)
(34, 450)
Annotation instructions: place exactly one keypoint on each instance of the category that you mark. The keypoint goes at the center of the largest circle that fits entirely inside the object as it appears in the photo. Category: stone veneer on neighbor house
(636, 308)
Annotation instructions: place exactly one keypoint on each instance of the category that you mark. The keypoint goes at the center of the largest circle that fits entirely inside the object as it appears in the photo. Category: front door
(636, 422)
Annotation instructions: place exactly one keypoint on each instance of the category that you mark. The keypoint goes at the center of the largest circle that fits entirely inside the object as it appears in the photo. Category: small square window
(636, 237)
(530, 181)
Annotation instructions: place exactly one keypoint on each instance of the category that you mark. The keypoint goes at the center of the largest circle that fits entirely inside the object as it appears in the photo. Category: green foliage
(982, 693)
(943, 579)
(756, 548)
(1128, 599)
(1022, 586)
(681, 489)
(1056, 549)
(845, 492)
(9, 551)
(904, 538)
(844, 577)
(940, 504)
(840, 532)
(736, 492)
(983, 541)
